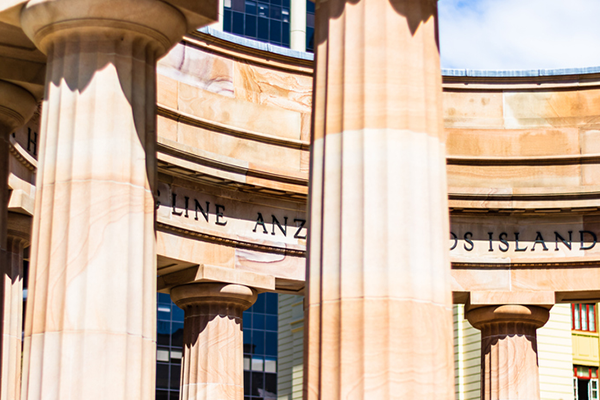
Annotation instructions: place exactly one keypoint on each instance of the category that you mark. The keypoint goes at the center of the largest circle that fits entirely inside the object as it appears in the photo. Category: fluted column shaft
(213, 341)
(19, 231)
(509, 363)
(16, 108)
(379, 300)
(91, 312)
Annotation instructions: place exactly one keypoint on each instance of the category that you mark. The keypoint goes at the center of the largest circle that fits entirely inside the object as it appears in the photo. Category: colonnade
(378, 300)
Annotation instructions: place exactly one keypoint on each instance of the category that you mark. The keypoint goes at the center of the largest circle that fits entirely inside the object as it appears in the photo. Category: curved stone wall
(234, 131)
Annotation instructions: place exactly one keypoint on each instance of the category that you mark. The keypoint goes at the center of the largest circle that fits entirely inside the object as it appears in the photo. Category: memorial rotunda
(442, 226)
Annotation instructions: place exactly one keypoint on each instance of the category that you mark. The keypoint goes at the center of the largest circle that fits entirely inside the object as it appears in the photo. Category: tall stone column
(19, 233)
(509, 363)
(16, 108)
(213, 341)
(91, 312)
(298, 25)
(379, 300)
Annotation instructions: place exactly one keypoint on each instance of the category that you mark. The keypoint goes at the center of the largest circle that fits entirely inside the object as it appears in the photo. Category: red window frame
(587, 312)
(592, 373)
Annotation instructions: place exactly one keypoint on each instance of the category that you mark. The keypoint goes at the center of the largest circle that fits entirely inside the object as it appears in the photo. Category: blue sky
(519, 34)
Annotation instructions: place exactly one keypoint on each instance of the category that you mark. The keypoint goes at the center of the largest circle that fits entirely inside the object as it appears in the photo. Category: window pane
(271, 344)
(162, 395)
(592, 318)
(263, 28)
(238, 5)
(271, 322)
(178, 314)
(247, 341)
(258, 321)
(237, 26)
(258, 342)
(250, 25)
(310, 33)
(285, 17)
(164, 312)
(263, 11)
(164, 298)
(162, 355)
(276, 14)
(270, 365)
(576, 314)
(259, 306)
(227, 21)
(257, 364)
(257, 383)
(285, 34)
(247, 319)
(175, 374)
(275, 31)
(251, 7)
(177, 338)
(163, 332)
(162, 376)
(247, 383)
(176, 356)
(270, 385)
(584, 317)
(310, 20)
(272, 304)
(593, 389)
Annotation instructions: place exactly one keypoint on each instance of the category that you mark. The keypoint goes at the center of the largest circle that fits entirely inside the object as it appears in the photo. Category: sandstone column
(19, 232)
(379, 300)
(212, 365)
(91, 310)
(509, 364)
(16, 107)
(298, 25)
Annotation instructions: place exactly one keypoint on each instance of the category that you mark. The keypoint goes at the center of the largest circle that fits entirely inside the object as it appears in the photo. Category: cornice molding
(21, 155)
(160, 226)
(191, 120)
(249, 54)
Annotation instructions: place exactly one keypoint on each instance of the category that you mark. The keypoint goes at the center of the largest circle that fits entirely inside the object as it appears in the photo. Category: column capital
(16, 105)
(202, 293)
(490, 315)
(43, 21)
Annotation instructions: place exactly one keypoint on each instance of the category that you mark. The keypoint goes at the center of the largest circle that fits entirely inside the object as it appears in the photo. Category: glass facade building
(260, 348)
(169, 348)
(310, 26)
(266, 20)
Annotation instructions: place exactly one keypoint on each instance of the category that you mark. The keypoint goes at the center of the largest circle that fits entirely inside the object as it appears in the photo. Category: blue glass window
(272, 24)
(310, 26)
(260, 324)
(169, 350)
(260, 348)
